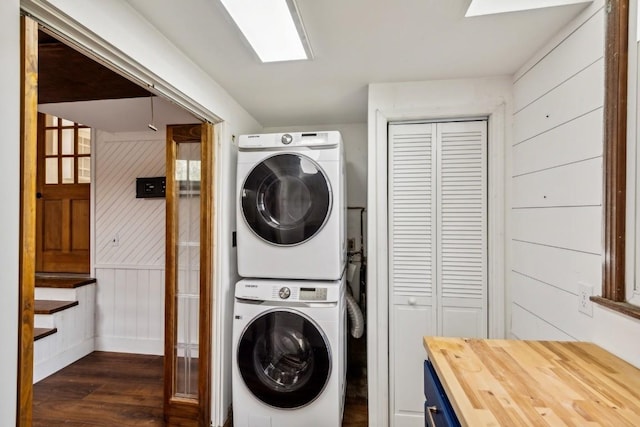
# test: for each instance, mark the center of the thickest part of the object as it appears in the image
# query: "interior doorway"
(69, 92)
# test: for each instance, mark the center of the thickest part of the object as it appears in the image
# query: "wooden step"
(64, 282)
(51, 306)
(39, 333)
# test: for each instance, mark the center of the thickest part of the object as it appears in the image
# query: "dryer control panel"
(323, 139)
(289, 291)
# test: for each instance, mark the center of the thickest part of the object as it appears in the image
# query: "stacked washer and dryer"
(289, 327)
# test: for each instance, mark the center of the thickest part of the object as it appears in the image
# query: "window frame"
(58, 128)
(614, 288)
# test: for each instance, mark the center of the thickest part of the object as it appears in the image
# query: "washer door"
(284, 359)
(286, 199)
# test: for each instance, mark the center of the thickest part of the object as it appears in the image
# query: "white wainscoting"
(130, 309)
(556, 182)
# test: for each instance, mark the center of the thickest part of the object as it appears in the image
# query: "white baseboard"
(130, 345)
(50, 366)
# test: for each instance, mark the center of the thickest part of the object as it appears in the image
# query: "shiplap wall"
(556, 200)
(130, 273)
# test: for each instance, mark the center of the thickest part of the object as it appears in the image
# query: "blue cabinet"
(438, 411)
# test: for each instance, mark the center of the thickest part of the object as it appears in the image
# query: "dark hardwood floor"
(116, 389)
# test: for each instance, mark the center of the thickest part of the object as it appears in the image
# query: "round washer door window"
(284, 359)
(286, 199)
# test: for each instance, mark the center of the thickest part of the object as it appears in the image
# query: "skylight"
(490, 7)
(273, 28)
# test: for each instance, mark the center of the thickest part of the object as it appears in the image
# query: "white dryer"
(289, 353)
(291, 206)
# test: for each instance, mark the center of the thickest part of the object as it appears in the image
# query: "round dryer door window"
(286, 199)
(284, 359)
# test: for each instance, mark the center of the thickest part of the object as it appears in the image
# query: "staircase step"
(51, 306)
(39, 333)
(64, 282)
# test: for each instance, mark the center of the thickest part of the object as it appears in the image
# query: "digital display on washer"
(313, 294)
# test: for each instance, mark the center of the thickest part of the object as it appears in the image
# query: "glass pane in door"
(188, 272)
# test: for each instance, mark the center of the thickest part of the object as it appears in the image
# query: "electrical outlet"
(351, 244)
(584, 303)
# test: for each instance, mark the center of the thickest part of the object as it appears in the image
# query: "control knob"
(284, 292)
(286, 139)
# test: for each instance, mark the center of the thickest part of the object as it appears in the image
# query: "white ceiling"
(121, 115)
(355, 42)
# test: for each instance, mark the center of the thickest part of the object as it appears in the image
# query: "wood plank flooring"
(116, 389)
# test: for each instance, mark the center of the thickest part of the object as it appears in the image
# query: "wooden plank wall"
(130, 295)
(556, 197)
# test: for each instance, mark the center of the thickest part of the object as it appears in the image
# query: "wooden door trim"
(28, 167)
(177, 410)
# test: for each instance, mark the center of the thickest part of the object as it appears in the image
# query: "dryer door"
(286, 199)
(284, 359)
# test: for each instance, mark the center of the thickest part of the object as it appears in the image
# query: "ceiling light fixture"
(490, 7)
(273, 28)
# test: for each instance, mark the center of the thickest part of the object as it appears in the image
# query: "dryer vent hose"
(356, 317)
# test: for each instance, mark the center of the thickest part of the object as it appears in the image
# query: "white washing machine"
(289, 353)
(291, 206)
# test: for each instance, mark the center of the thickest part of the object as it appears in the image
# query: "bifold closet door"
(437, 248)
(412, 264)
(461, 231)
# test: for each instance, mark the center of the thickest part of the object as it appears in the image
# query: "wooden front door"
(63, 194)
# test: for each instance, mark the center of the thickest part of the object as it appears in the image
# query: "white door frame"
(377, 224)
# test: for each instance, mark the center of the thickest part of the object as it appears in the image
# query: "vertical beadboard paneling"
(131, 310)
(556, 200)
(105, 302)
(120, 303)
(156, 305)
(142, 304)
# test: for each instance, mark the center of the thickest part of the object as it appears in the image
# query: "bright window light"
(269, 27)
(490, 7)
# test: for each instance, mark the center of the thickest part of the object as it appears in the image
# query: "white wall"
(556, 210)
(441, 99)
(130, 273)
(9, 214)
(557, 192)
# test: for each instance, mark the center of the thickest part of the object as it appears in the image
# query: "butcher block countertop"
(535, 383)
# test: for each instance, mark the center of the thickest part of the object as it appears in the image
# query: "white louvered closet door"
(461, 237)
(437, 248)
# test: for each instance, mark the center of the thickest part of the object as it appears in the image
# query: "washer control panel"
(290, 291)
